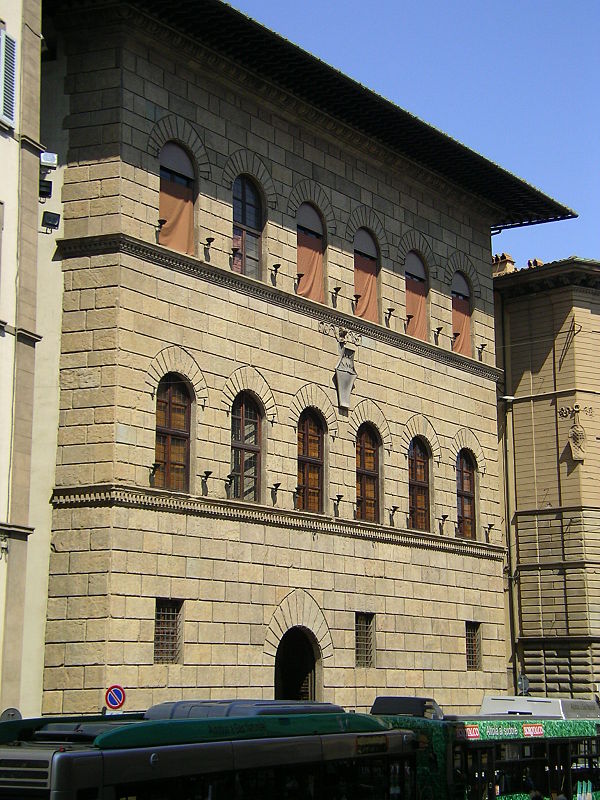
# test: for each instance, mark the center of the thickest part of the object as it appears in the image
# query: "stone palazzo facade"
(256, 481)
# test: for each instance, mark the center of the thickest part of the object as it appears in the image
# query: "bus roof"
(546, 707)
(129, 731)
(187, 709)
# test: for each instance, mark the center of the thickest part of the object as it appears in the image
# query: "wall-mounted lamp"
(334, 295)
(443, 519)
(388, 314)
(407, 321)
(297, 279)
(480, 349)
(488, 531)
(393, 510)
(206, 474)
(455, 336)
(152, 469)
(161, 222)
(274, 490)
(209, 240)
(275, 269)
(436, 333)
(50, 221)
(336, 504)
(228, 484)
(235, 251)
(4, 548)
(355, 301)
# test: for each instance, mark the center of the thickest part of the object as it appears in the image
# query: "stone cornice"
(153, 500)
(155, 254)
(15, 531)
(124, 16)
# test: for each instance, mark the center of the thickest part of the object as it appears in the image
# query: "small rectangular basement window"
(364, 629)
(473, 645)
(168, 625)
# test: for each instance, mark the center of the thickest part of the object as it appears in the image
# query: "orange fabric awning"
(461, 326)
(310, 266)
(176, 206)
(365, 285)
(416, 308)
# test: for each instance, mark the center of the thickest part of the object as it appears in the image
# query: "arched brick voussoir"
(414, 241)
(249, 379)
(172, 128)
(365, 217)
(309, 191)
(420, 426)
(313, 396)
(176, 359)
(297, 609)
(465, 439)
(459, 262)
(369, 411)
(245, 162)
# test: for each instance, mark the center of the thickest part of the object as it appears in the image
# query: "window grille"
(473, 645)
(168, 625)
(364, 627)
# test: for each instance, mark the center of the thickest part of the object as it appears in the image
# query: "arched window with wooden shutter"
(418, 486)
(366, 270)
(248, 224)
(465, 495)
(367, 474)
(172, 453)
(310, 253)
(246, 427)
(310, 463)
(176, 203)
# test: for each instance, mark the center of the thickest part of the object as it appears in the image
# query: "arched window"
(465, 494)
(247, 227)
(176, 200)
(418, 486)
(310, 463)
(366, 270)
(461, 315)
(172, 454)
(310, 253)
(245, 449)
(367, 474)
(416, 296)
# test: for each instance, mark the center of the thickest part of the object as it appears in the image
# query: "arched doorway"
(296, 666)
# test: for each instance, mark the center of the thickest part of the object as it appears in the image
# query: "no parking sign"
(115, 697)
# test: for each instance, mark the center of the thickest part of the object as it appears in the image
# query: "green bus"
(504, 755)
(202, 751)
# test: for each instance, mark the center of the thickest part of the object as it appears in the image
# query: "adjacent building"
(24, 548)
(277, 468)
(547, 344)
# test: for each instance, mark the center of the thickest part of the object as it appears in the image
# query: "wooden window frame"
(171, 379)
(418, 487)
(463, 494)
(363, 474)
(244, 228)
(243, 401)
(306, 461)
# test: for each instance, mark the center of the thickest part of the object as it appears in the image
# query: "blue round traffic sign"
(115, 696)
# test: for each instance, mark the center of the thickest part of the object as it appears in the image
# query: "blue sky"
(518, 81)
